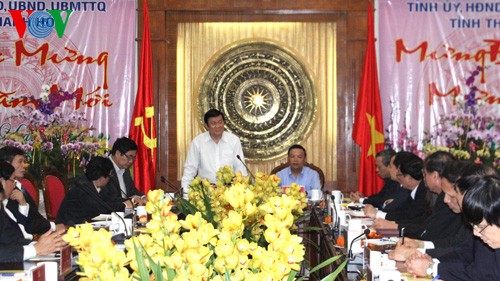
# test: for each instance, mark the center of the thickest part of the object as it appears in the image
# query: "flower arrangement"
(51, 133)
(195, 248)
(212, 202)
(471, 132)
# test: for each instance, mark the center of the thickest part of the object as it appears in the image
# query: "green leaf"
(143, 271)
(156, 269)
(171, 273)
(325, 263)
(292, 275)
(332, 276)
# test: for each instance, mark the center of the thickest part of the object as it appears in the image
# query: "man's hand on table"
(418, 263)
(384, 224)
(355, 196)
(50, 242)
(401, 252)
(370, 211)
(138, 200)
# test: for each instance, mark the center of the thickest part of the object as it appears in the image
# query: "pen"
(402, 236)
(436, 277)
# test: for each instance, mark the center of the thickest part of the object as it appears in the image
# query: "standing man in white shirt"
(212, 150)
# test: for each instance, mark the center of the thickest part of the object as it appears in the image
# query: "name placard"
(65, 263)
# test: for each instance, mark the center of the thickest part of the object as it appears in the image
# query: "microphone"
(366, 232)
(107, 207)
(177, 190)
(336, 224)
(252, 177)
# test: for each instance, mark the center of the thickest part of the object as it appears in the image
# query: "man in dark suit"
(416, 208)
(123, 156)
(392, 195)
(451, 245)
(91, 195)
(442, 222)
(476, 260)
(20, 203)
(13, 245)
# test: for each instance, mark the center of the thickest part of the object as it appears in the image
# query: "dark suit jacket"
(35, 223)
(449, 247)
(129, 184)
(414, 210)
(81, 204)
(11, 239)
(390, 190)
(442, 223)
(477, 261)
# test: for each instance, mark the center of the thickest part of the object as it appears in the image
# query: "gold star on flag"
(376, 136)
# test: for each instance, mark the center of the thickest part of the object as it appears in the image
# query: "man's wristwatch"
(432, 269)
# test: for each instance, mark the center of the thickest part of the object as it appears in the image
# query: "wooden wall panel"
(350, 16)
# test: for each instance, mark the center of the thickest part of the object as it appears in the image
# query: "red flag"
(143, 127)
(368, 126)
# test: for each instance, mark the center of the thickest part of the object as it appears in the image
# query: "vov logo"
(40, 24)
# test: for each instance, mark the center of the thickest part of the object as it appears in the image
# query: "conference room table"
(326, 237)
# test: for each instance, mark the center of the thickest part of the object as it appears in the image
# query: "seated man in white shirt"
(297, 173)
(14, 247)
(212, 150)
(122, 156)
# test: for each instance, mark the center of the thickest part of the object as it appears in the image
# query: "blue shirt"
(308, 178)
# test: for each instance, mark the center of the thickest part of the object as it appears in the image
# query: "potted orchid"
(252, 239)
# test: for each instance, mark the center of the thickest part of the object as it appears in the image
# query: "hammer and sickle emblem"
(139, 121)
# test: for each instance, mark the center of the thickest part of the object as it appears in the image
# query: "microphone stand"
(365, 232)
(252, 177)
(171, 185)
(107, 207)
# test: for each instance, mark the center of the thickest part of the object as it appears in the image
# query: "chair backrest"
(54, 191)
(31, 186)
(312, 166)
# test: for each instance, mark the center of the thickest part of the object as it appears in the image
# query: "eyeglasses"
(130, 157)
(479, 229)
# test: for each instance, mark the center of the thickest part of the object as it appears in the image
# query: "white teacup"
(338, 196)
(356, 225)
(316, 194)
(142, 215)
(343, 217)
(141, 211)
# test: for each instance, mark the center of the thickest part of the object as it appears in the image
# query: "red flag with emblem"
(143, 127)
(368, 126)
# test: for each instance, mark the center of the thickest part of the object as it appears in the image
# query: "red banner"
(143, 127)
(368, 128)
